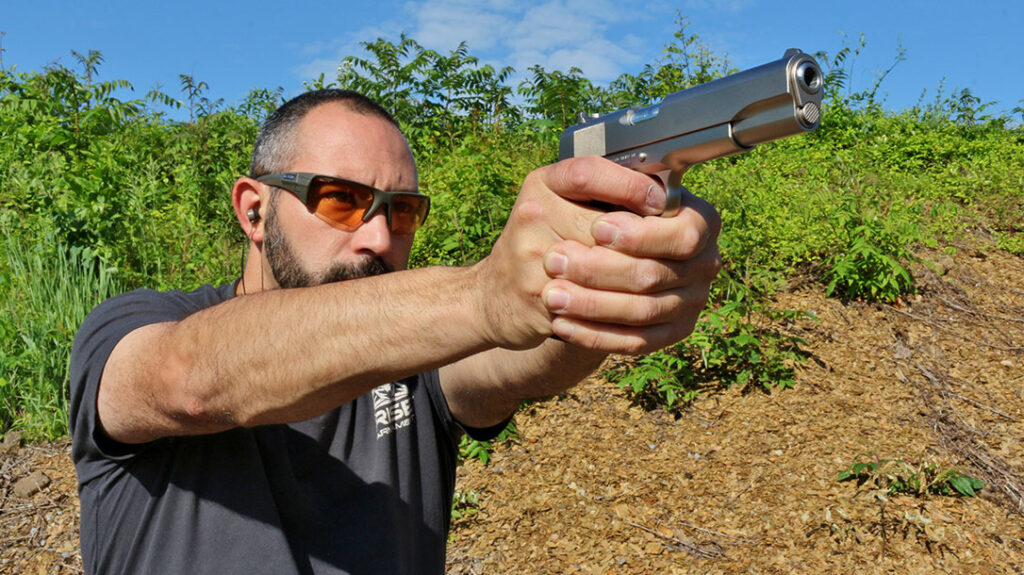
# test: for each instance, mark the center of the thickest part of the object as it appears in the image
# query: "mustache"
(371, 266)
(289, 273)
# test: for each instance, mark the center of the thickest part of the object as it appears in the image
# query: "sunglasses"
(346, 205)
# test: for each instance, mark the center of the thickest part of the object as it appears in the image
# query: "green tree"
(555, 99)
(389, 74)
(460, 97)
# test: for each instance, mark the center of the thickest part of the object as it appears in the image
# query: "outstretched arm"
(287, 355)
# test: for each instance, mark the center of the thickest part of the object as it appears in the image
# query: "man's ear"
(248, 204)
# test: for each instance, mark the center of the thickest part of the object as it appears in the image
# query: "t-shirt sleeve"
(104, 327)
(456, 429)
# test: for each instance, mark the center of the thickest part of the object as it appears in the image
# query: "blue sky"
(238, 46)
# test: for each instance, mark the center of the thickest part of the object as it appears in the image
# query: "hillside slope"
(746, 482)
(739, 482)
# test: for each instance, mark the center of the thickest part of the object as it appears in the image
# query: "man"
(296, 423)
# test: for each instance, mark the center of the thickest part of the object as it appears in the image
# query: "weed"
(896, 476)
(470, 448)
(465, 504)
(731, 345)
(869, 263)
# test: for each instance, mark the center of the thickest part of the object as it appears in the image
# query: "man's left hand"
(642, 286)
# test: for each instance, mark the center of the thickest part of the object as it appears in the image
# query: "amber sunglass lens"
(341, 204)
(407, 214)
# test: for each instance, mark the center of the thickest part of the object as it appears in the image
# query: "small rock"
(31, 484)
(11, 443)
(943, 263)
(1006, 363)
(902, 351)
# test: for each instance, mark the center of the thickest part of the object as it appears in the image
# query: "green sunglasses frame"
(299, 183)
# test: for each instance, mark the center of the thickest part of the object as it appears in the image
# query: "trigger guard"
(674, 192)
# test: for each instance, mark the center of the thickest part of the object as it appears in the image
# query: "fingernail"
(656, 198)
(556, 300)
(556, 264)
(563, 328)
(605, 233)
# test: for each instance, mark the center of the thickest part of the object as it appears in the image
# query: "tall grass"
(51, 288)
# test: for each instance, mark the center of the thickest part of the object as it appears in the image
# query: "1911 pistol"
(723, 117)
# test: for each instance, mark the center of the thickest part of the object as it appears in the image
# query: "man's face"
(286, 265)
(303, 250)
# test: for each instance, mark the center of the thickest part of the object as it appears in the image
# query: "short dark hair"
(275, 143)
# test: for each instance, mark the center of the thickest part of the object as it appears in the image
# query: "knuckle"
(688, 242)
(528, 210)
(578, 171)
(585, 275)
(587, 339)
(647, 276)
(707, 211)
(715, 221)
(685, 328)
(590, 307)
(708, 264)
(650, 310)
(636, 346)
(637, 190)
(715, 265)
(712, 218)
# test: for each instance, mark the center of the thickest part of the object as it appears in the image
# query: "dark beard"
(289, 274)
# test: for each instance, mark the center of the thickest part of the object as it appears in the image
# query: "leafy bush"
(733, 344)
(472, 189)
(871, 265)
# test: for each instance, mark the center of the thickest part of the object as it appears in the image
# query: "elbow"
(199, 414)
(200, 401)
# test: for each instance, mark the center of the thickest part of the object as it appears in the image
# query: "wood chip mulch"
(745, 482)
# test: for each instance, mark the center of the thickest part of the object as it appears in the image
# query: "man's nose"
(373, 236)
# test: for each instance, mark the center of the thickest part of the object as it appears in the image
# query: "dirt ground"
(738, 482)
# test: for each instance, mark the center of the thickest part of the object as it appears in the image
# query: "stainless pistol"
(723, 117)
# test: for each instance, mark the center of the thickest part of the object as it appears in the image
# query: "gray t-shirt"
(364, 488)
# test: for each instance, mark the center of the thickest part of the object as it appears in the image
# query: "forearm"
(484, 389)
(287, 355)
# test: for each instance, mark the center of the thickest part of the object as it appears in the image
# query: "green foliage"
(870, 265)
(105, 174)
(472, 189)
(733, 344)
(737, 344)
(98, 195)
(896, 476)
(438, 99)
(97, 177)
(470, 448)
(465, 504)
(556, 98)
(49, 288)
(390, 74)
(686, 61)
